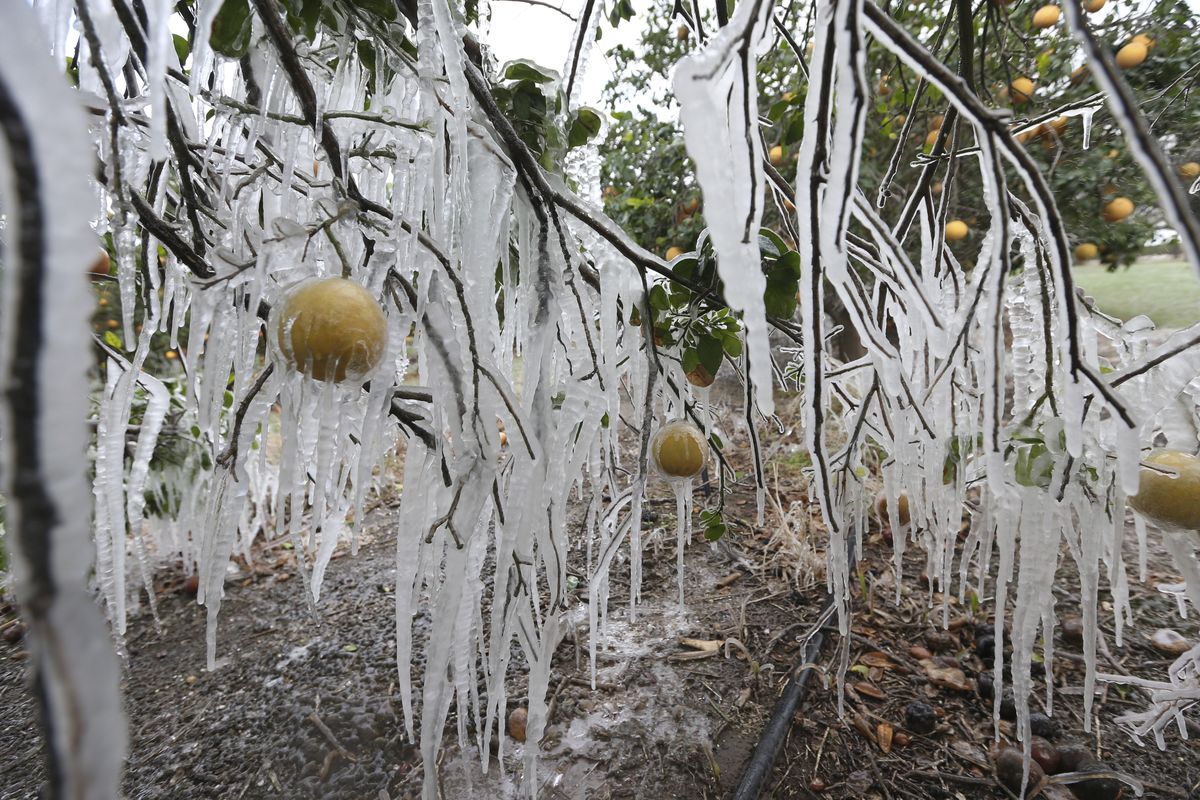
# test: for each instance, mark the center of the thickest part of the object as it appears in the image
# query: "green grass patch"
(1165, 291)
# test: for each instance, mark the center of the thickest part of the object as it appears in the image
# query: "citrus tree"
(378, 240)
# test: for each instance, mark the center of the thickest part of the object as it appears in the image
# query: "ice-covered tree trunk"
(45, 346)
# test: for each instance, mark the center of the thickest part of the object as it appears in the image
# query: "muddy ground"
(307, 708)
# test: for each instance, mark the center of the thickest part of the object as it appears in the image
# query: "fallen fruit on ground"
(1118, 209)
(1009, 764)
(1046, 17)
(920, 717)
(1169, 500)
(1021, 90)
(677, 449)
(1131, 55)
(518, 718)
(330, 329)
(956, 230)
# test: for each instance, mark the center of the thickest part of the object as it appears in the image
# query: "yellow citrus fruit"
(1118, 209)
(1144, 41)
(1170, 501)
(1131, 55)
(956, 229)
(1092, 6)
(1190, 170)
(677, 449)
(1046, 17)
(171, 355)
(681, 33)
(883, 90)
(881, 507)
(937, 187)
(100, 265)
(776, 155)
(1086, 252)
(931, 138)
(1058, 125)
(1022, 90)
(113, 324)
(937, 122)
(674, 252)
(331, 329)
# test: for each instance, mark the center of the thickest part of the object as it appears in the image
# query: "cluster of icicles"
(305, 454)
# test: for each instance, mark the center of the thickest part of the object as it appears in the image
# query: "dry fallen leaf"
(869, 690)
(875, 659)
(707, 645)
(947, 677)
(883, 733)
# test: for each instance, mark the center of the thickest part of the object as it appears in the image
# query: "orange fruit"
(956, 230)
(1172, 501)
(1022, 90)
(330, 329)
(1092, 6)
(674, 252)
(1118, 209)
(1190, 170)
(776, 155)
(677, 449)
(1046, 17)
(1086, 252)
(1131, 55)
(881, 507)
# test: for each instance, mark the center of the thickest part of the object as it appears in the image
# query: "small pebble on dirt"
(1045, 754)
(517, 720)
(1072, 630)
(985, 647)
(15, 632)
(1072, 756)
(941, 641)
(920, 718)
(1170, 642)
(1041, 725)
(1010, 768)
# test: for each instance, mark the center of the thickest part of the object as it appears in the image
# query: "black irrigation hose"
(762, 761)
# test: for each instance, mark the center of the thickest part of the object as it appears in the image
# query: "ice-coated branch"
(43, 364)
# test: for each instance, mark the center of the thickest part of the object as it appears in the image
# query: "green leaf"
(231, 29)
(691, 359)
(526, 70)
(733, 344)
(182, 48)
(380, 8)
(112, 340)
(585, 125)
(658, 298)
(711, 352)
